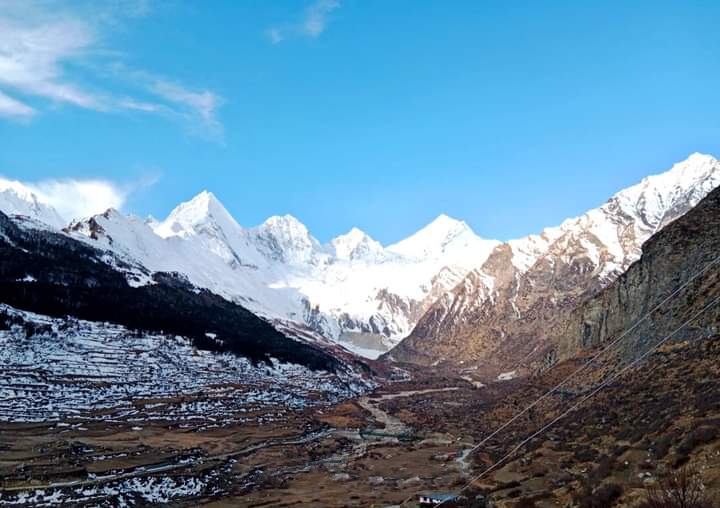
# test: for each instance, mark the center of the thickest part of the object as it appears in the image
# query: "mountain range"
(502, 312)
(442, 295)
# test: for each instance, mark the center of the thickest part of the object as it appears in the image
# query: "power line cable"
(585, 399)
(591, 360)
(594, 357)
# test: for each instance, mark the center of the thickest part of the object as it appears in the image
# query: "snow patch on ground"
(71, 369)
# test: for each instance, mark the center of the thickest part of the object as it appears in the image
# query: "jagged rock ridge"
(675, 279)
(502, 312)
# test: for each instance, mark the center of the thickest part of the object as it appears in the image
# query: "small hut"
(435, 498)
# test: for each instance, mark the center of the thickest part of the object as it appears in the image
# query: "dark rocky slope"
(515, 324)
(645, 426)
(52, 274)
(647, 422)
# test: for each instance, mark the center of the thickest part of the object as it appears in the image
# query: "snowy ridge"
(620, 226)
(446, 238)
(356, 245)
(351, 289)
(17, 199)
(587, 252)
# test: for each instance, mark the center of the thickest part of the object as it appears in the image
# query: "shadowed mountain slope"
(50, 273)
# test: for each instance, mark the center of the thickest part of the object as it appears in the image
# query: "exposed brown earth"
(500, 314)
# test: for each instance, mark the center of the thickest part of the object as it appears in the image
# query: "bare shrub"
(683, 489)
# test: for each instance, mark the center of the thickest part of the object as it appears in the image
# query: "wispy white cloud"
(80, 198)
(203, 104)
(13, 108)
(196, 108)
(32, 58)
(316, 17)
(313, 23)
(74, 198)
(43, 44)
(132, 104)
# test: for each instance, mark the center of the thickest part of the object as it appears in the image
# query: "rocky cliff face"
(686, 250)
(501, 314)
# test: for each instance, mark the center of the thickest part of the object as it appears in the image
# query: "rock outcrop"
(507, 311)
(677, 276)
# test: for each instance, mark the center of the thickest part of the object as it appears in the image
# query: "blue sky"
(370, 113)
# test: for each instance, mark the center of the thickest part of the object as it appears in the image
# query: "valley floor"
(381, 449)
(312, 457)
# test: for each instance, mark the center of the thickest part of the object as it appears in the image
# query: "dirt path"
(394, 425)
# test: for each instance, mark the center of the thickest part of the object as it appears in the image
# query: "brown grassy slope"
(658, 417)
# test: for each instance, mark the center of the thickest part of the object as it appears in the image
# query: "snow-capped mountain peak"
(588, 252)
(433, 238)
(444, 227)
(680, 178)
(357, 245)
(191, 217)
(18, 199)
(628, 218)
(285, 238)
(353, 289)
(654, 199)
(285, 225)
(446, 238)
